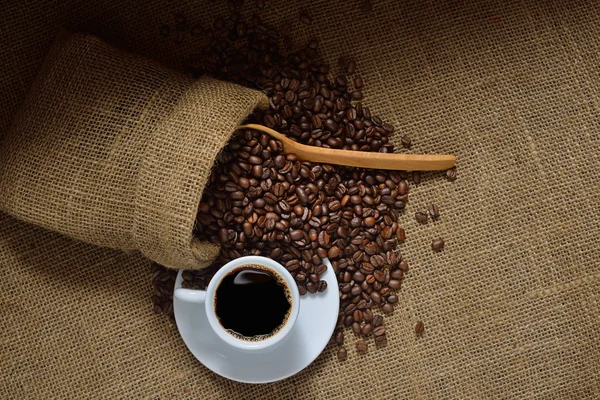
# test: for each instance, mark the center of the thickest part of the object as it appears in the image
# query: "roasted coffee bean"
(358, 82)
(378, 320)
(434, 211)
(437, 244)
(369, 222)
(406, 142)
(342, 354)
(416, 177)
(421, 216)
(366, 329)
(339, 337)
(394, 283)
(451, 174)
(396, 274)
(356, 328)
(419, 327)
(348, 320)
(305, 18)
(403, 266)
(334, 252)
(387, 308)
(361, 346)
(400, 234)
(376, 297)
(322, 286)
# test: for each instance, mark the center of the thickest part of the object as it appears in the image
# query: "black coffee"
(252, 303)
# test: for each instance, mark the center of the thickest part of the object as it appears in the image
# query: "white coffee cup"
(207, 297)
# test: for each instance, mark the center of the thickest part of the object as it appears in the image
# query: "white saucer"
(315, 324)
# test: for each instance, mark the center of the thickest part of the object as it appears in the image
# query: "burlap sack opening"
(113, 149)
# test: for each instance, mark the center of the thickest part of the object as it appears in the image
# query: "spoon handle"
(361, 159)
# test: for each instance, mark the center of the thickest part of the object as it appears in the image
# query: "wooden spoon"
(362, 159)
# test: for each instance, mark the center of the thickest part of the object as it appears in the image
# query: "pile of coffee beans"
(262, 201)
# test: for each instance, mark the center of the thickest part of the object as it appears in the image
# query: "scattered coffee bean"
(342, 354)
(358, 82)
(366, 329)
(351, 67)
(434, 211)
(361, 346)
(387, 308)
(339, 337)
(416, 177)
(406, 142)
(437, 244)
(419, 327)
(451, 174)
(421, 216)
(356, 328)
(305, 18)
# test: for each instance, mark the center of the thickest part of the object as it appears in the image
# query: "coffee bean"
(378, 320)
(416, 177)
(419, 327)
(358, 82)
(421, 216)
(400, 234)
(348, 320)
(305, 18)
(339, 337)
(437, 244)
(334, 252)
(406, 142)
(357, 315)
(342, 354)
(297, 234)
(351, 67)
(387, 308)
(361, 346)
(369, 222)
(366, 329)
(379, 331)
(376, 297)
(322, 286)
(394, 283)
(451, 174)
(434, 211)
(356, 328)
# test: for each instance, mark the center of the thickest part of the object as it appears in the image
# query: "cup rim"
(210, 297)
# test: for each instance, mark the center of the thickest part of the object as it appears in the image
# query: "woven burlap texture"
(511, 305)
(115, 150)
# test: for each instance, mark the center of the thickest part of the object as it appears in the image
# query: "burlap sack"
(113, 149)
(511, 305)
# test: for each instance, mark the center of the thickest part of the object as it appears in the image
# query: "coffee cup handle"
(190, 295)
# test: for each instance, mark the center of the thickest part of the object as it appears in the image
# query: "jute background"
(511, 305)
(115, 150)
